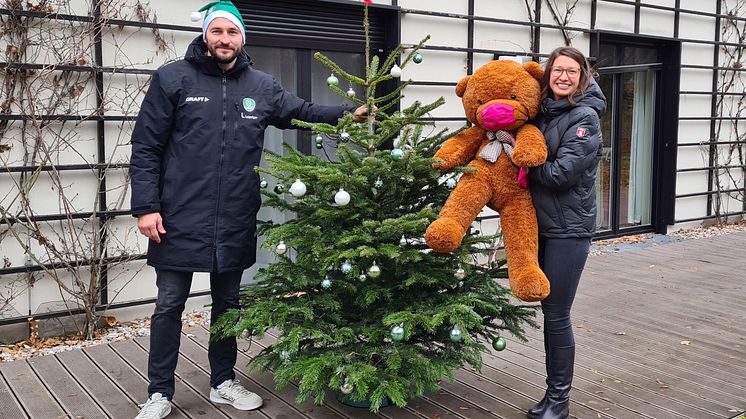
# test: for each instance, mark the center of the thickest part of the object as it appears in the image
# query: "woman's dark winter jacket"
(197, 139)
(563, 188)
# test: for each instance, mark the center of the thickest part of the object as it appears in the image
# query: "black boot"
(539, 408)
(559, 383)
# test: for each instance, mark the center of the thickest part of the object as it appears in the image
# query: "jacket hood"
(593, 98)
(197, 54)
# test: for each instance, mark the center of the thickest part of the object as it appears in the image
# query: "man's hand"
(151, 226)
(361, 113)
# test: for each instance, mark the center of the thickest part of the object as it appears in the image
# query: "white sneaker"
(232, 392)
(157, 407)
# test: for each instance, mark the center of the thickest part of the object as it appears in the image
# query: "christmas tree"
(359, 302)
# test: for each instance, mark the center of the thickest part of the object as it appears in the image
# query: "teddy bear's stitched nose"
(497, 116)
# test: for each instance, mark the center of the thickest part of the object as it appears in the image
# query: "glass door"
(625, 179)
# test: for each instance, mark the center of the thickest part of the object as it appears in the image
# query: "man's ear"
(534, 69)
(461, 86)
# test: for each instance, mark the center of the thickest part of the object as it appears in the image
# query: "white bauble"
(395, 71)
(298, 188)
(342, 198)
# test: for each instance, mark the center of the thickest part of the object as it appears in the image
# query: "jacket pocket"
(560, 213)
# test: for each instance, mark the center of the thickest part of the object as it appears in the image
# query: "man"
(195, 193)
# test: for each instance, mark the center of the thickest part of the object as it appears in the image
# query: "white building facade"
(673, 134)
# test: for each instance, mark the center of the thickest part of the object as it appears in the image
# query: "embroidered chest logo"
(197, 99)
(581, 132)
(249, 104)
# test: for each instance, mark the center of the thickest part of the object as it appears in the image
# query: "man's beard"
(217, 58)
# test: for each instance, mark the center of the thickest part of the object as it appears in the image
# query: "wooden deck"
(661, 333)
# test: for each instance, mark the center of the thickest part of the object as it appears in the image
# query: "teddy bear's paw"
(524, 157)
(530, 285)
(444, 235)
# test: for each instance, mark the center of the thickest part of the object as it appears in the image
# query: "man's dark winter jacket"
(563, 188)
(197, 139)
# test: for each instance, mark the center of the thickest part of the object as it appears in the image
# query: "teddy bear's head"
(502, 94)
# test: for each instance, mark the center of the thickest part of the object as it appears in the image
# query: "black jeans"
(165, 328)
(562, 260)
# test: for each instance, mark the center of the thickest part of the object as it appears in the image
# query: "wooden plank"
(642, 384)
(587, 398)
(274, 406)
(124, 376)
(666, 349)
(199, 380)
(65, 389)
(30, 391)
(109, 397)
(192, 403)
(8, 404)
(590, 382)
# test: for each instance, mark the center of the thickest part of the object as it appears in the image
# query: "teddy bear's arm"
(458, 149)
(530, 147)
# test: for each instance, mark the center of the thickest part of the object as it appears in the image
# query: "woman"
(563, 192)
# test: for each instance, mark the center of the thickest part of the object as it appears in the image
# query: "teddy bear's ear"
(534, 69)
(461, 86)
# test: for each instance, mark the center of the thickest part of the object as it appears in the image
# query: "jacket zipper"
(235, 121)
(220, 175)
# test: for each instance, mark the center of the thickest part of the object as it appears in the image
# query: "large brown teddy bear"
(498, 99)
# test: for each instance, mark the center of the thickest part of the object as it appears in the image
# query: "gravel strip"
(639, 241)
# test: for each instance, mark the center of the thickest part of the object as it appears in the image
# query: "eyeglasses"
(571, 72)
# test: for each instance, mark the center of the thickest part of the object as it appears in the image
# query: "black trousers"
(562, 260)
(165, 328)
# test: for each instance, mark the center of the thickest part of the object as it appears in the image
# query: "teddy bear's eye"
(513, 97)
(480, 101)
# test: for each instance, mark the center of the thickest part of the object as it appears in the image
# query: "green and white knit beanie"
(216, 9)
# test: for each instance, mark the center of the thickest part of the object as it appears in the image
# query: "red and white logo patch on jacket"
(581, 132)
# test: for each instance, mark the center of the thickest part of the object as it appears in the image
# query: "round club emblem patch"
(249, 104)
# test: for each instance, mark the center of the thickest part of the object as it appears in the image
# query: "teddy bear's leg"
(521, 238)
(462, 207)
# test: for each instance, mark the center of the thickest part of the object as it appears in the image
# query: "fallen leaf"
(111, 321)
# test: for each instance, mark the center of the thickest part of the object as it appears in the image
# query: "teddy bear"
(499, 98)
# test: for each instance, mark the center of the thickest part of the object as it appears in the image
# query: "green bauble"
(397, 333)
(397, 154)
(499, 344)
(326, 283)
(374, 271)
(346, 388)
(417, 58)
(332, 80)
